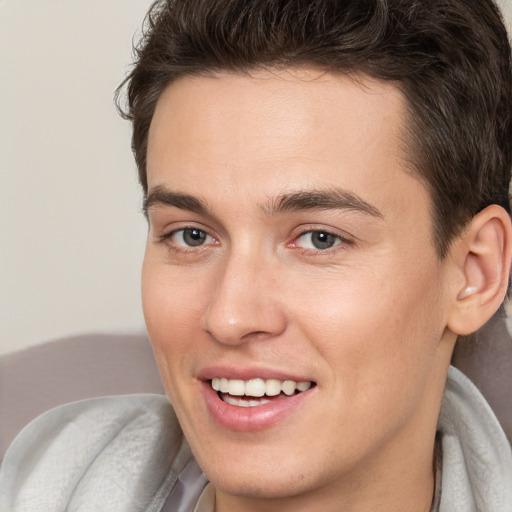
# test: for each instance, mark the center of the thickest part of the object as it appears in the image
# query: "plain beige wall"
(506, 6)
(71, 235)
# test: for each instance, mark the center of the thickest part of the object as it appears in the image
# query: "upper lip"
(248, 373)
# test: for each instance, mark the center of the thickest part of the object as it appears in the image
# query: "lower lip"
(247, 419)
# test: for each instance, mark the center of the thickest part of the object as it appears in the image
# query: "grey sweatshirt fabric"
(128, 454)
(477, 457)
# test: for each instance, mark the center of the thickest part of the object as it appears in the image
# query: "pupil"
(322, 240)
(194, 237)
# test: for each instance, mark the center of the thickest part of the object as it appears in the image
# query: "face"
(291, 288)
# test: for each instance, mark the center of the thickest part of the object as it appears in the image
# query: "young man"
(326, 189)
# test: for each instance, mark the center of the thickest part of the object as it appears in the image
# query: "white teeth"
(303, 386)
(236, 387)
(273, 387)
(288, 387)
(224, 385)
(257, 387)
(240, 402)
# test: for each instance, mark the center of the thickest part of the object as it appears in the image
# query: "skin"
(366, 319)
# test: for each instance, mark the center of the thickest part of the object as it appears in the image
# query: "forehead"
(273, 132)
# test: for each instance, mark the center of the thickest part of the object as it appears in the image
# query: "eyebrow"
(331, 199)
(162, 196)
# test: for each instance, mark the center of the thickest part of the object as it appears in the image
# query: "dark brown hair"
(450, 58)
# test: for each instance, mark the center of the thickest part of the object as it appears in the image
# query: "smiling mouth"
(256, 392)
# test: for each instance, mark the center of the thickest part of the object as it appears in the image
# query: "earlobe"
(484, 256)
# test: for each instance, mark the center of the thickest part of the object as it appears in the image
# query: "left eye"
(318, 240)
(190, 237)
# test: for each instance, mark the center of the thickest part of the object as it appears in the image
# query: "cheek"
(172, 307)
(172, 300)
(374, 333)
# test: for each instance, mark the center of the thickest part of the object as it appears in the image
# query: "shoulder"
(112, 450)
(477, 458)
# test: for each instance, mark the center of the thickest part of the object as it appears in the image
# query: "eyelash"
(340, 242)
(184, 249)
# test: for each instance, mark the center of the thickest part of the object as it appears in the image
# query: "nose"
(244, 304)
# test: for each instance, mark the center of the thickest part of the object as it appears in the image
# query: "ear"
(483, 255)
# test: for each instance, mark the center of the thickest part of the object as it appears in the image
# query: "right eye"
(189, 237)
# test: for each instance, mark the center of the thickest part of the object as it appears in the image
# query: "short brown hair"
(450, 58)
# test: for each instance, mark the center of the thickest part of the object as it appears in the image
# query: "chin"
(273, 483)
(258, 473)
